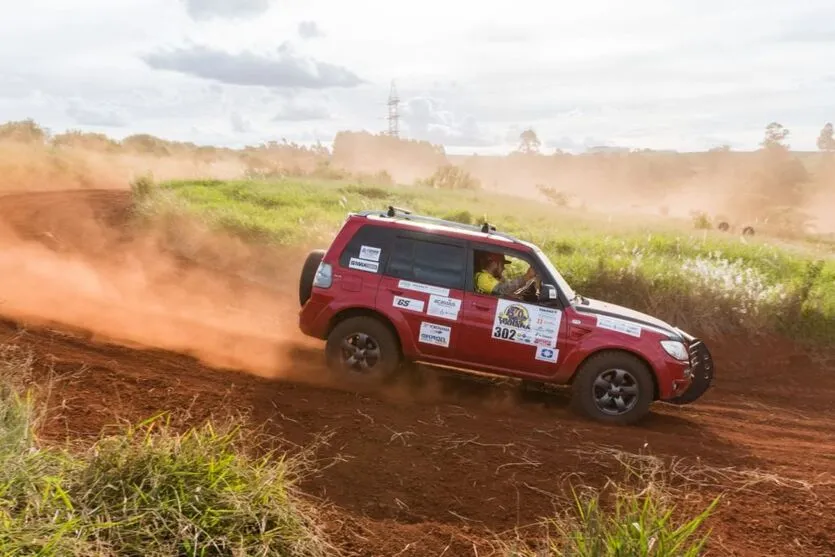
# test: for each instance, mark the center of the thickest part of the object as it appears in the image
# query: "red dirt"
(416, 473)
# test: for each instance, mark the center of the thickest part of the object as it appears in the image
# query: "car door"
(422, 288)
(505, 335)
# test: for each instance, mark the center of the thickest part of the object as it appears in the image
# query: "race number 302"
(504, 333)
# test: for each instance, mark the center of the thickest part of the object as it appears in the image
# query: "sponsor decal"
(370, 253)
(431, 333)
(446, 308)
(363, 265)
(526, 324)
(619, 325)
(425, 288)
(408, 303)
(516, 316)
(547, 354)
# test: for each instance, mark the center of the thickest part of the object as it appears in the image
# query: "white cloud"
(202, 10)
(95, 116)
(309, 30)
(282, 68)
(651, 73)
(428, 119)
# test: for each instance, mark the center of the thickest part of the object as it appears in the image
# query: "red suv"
(396, 288)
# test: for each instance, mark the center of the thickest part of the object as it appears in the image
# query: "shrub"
(194, 493)
(701, 221)
(451, 177)
(557, 197)
(371, 192)
(145, 491)
(142, 187)
(636, 516)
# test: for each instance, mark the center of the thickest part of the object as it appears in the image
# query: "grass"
(635, 515)
(706, 281)
(638, 524)
(147, 490)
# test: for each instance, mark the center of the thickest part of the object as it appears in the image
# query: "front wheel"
(613, 387)
(363, 350)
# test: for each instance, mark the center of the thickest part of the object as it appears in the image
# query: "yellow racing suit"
(486, 283)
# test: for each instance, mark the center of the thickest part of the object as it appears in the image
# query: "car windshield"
(562, 284)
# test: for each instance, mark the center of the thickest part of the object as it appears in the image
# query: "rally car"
(396, 288)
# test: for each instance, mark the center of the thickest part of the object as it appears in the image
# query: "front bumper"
(700, 371)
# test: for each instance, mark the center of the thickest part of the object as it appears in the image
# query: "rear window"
(368, 249)
(428, 262)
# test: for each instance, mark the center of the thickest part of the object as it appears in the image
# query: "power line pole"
(394, 112)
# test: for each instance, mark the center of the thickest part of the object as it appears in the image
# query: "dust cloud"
(34, 166)
(134, 292)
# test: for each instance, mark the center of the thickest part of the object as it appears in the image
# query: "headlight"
(324, 276)
(676, 349)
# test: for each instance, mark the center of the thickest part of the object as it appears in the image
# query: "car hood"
(598, 307)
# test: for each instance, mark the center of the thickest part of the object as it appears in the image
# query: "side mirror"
(547, 293)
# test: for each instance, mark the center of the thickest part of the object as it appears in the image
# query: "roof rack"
(405, 214)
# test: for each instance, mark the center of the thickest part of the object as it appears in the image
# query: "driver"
(489, 279)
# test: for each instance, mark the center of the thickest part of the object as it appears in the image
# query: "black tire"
(372, 342)
(617, 372)
(748, 231)
(724, 226)
(308, 274)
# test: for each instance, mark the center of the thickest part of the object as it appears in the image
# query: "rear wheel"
(362, 349)
(613, 387)
(311, 264)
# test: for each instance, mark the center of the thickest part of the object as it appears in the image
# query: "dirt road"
(416, 473)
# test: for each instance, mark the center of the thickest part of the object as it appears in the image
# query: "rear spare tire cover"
(311, 264)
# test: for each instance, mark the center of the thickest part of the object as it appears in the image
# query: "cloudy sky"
(663, 74)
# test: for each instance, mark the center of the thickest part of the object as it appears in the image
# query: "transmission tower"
(394, 112)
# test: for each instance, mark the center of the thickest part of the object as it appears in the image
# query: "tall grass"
(147, 490)
(637, 524)
(635, 516)
(709, 282)
(640, 525)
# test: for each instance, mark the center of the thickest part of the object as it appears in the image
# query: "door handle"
(396, 292)
(483, 307)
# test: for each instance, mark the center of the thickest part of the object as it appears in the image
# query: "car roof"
(403, 218)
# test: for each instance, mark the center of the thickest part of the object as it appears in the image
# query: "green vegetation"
(640, 523)
(710, 282)
(145, 491)
(641, 514)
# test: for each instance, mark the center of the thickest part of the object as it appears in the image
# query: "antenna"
(394, 112)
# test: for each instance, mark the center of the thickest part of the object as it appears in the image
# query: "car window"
(368, 248)
(428, 262)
